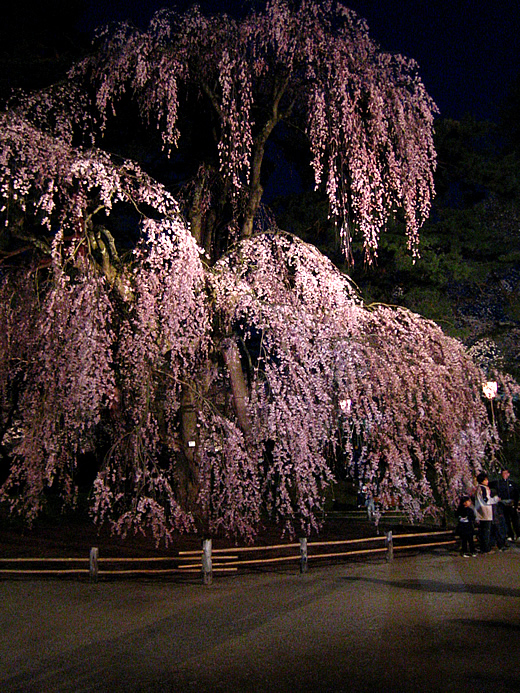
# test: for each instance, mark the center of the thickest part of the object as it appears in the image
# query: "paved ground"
(427, 623)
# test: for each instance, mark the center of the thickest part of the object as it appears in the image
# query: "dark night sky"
(468, 52)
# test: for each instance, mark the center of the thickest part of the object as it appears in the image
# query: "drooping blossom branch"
(415, 407)
(68, 384)
(162, 342)
(367, 116)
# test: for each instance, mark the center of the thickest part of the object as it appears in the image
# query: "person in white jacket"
(484, 503)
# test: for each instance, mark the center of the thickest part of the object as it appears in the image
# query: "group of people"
(494, 509)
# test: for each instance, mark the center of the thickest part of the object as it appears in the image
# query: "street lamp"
(490, 389)
(345, 405)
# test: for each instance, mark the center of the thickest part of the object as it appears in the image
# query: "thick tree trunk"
(239, 388)
(187, 465)
(105, 255)
(255, 187)
(255, 194)
(196, 212)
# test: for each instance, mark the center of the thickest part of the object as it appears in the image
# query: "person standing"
(370, 506)
(509, 496)
(466, 527)
(484, 502)
(499, 528)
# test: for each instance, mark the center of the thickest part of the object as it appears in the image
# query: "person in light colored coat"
(484, 503)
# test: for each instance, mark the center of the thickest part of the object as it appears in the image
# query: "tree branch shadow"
(441, 587)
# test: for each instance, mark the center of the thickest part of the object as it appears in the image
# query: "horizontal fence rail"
(212, 561)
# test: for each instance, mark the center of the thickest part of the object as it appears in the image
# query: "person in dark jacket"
(466, 527)
(509, 496)
(499, 528)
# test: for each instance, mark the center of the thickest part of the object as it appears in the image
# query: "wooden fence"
(212, 561)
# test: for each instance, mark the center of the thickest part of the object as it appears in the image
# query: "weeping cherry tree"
(216, 374)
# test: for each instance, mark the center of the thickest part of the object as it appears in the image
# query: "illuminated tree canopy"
(214, 385)
(313, 66)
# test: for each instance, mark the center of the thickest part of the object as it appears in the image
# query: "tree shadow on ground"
(441, 587)
(492, 625)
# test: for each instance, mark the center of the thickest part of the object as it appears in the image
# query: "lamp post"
(490, 389)
(345, 405)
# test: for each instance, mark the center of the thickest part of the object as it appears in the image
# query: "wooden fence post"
(93, 571)
(304, 566)
(389, 542)
(207, 571)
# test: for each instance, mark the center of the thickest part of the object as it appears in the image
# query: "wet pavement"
(434, 622)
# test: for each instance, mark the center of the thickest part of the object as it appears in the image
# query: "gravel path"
(433, 622)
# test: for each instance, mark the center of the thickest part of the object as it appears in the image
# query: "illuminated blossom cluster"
(18, 315)
(162, 340)
(381, 389)
(106, 339)
(61, 110)
(420, 417)
(68, 385)
(57, 185)
(326, 382)
(30, 160)
(230, 498)
(368, 118)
